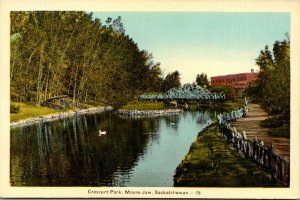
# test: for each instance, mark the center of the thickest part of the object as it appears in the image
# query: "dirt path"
(251, 124)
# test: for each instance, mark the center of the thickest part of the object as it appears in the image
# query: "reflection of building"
(238, 81)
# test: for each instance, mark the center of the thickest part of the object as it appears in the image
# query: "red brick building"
(238, 81)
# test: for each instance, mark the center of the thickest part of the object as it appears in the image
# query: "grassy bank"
(219, 106)
(211, 162)
(144, 105)
(227, 106)
(28, 111)
(149, 105)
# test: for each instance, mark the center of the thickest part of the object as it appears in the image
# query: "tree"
(172, 80)
(69, 53)
(272, 89)
(153, 79)
(228, 90)
(202, 80)
(265, 62)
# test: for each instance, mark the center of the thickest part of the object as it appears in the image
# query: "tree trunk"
(47, 81)
(63, 53)
(75, 85)
(69, 86)
(26, 76)
(38, 88)
(85, 96)
(12, 66)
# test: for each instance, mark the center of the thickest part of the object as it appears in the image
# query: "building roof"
(247, 73)
(239, 81)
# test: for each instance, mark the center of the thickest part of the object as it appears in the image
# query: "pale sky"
(216, 43)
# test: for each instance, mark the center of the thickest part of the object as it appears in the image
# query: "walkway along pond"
(134, 152)
(210, 163)
(251, 125)
(259, 152)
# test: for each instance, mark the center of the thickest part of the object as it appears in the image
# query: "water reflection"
(134, 152)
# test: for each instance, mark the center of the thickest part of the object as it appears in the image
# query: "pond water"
(134, 152)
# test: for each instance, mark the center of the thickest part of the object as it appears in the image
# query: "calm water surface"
(134, 152)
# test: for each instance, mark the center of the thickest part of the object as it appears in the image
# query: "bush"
(14, 108)
(283, 131)
(14, 96)
(274, 122)
(228, 90)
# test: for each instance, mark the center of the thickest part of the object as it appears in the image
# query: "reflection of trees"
(151, 126)
(203, 116)
(70, 152)
(172, 120)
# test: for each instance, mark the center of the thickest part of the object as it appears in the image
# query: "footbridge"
(186, 93)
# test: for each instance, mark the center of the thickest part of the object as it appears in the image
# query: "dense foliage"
(172, 80)
(70, 53)
(202, 80)
(272, 89)
(14, 108)
(228, 90)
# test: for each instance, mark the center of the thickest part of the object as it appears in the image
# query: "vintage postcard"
(151, 99)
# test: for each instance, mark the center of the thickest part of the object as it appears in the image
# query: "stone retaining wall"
(130, 113)
(61, 115)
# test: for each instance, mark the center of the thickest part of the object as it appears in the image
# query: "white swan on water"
(172, 124)
(102, 132)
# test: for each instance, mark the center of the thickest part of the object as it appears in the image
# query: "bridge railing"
(260, 153)
(186, 92)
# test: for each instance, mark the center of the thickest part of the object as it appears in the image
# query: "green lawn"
(149, 105)
(30, 111)
(144, 105)
(211, 162)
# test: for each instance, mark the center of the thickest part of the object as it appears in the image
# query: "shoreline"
(147, 113)
(211, 162)
(61, 115)
(121, 112)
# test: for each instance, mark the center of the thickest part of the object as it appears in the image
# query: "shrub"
(14, 108)
(283, 131)
(274, 122)
(228, 90)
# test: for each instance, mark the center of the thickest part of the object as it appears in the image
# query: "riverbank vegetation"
(278, 126)
(144, 105)
(272, 89)
(210, 162)
(220, 106)
(282, 131)
(28, 111)
(228, 90)
(91, 60)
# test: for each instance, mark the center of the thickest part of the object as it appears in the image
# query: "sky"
(215, 43)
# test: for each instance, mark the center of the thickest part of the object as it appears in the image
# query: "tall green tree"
(70, 53)
(272, 89)
(202, 80)
(153, 79)
(172, 80)
(228, 90)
